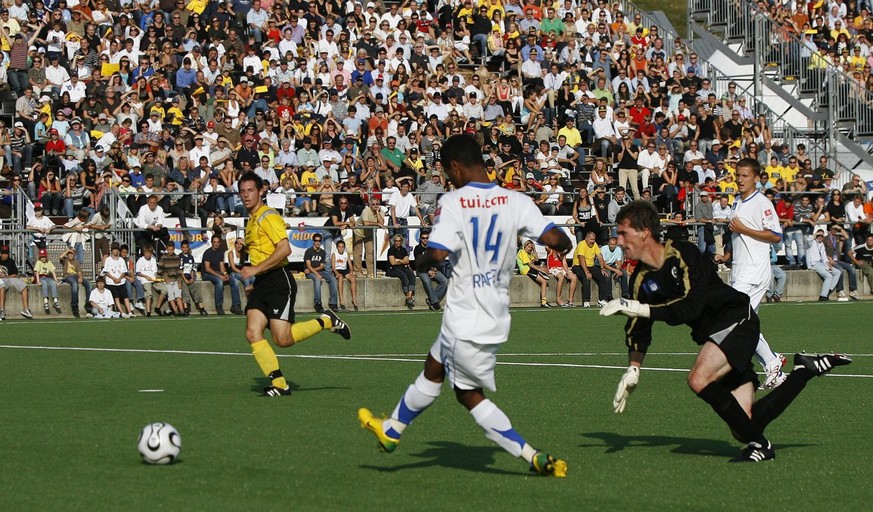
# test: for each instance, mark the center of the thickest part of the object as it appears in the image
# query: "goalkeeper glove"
(626, 386)
(627, 307)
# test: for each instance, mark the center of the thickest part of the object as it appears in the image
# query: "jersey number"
(492, 238)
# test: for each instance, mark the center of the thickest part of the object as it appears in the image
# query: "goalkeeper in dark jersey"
(675, 284)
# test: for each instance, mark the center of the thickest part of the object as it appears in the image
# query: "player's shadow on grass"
(683, 445)
(452, 455)
(261, 383)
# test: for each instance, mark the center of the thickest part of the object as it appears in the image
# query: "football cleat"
(774, 376)
(386, 443)
(545, 464)
(337, 325)
(820, 364)
(756, 452)
(274, 391)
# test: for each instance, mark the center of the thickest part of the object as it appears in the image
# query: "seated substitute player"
(271, 303)
(476, 229)
(676, 284)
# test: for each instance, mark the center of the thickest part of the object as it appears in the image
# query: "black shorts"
(343, 272)
(274, 295)
(118, 292)
(738, 346)
(533, 274)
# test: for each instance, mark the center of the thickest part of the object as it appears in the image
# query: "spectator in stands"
(41, 226)
(214, 270)
(791, 233)
(862, 256)
(619, 200)
(837, 244)
(191, 295)
(115, 270)
(398, 261)
(45, 276)
(168, 283)
(403, 205)
(557, 266)
(858, 219)
(628, 164)
(71, 273)
(343, 269)
(527, 261)
(150, 219)
(147, 275)
(101, 302)
(315, 269)
(434, 281)
(615, 264)
(585, 215)
(777, 285)
(9, 279)
(649, 163)
(818, 261)
(605, 137)
(588, 265)
(134, 288)
(705, 216)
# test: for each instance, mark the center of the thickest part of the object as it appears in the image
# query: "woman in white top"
(552, 195)
(343, 267)
(599, 176)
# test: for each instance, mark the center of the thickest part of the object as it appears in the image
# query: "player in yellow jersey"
(271, 303)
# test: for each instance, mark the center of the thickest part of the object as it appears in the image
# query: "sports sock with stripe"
(499, 429)
(418, 397)
(268, 362)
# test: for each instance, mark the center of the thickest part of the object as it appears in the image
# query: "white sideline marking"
(389, 358)
(151, 390)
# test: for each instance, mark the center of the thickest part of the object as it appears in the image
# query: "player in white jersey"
(476, 227)
(754, 226)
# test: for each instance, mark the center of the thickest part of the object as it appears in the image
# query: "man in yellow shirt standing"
(588, 266)
(271, 303)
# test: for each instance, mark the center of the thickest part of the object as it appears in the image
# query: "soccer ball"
(159, 443)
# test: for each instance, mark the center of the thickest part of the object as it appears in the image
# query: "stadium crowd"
(342, 107)
(835, 32)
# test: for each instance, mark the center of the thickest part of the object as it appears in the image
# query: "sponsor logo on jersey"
(483, 202)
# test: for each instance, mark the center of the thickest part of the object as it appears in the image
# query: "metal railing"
(789, 58)
(782, 130)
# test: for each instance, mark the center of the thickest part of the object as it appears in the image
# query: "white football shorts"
(753, 281)
(468, 365)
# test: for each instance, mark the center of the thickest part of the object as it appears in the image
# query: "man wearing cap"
(604, 133)
(9, 279)
(361, 73)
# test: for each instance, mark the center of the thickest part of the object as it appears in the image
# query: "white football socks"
(417, 398)
(499, 429)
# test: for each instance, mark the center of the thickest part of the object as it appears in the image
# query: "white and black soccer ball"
(159, 443)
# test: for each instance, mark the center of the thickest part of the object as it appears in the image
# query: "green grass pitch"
(71, 419)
